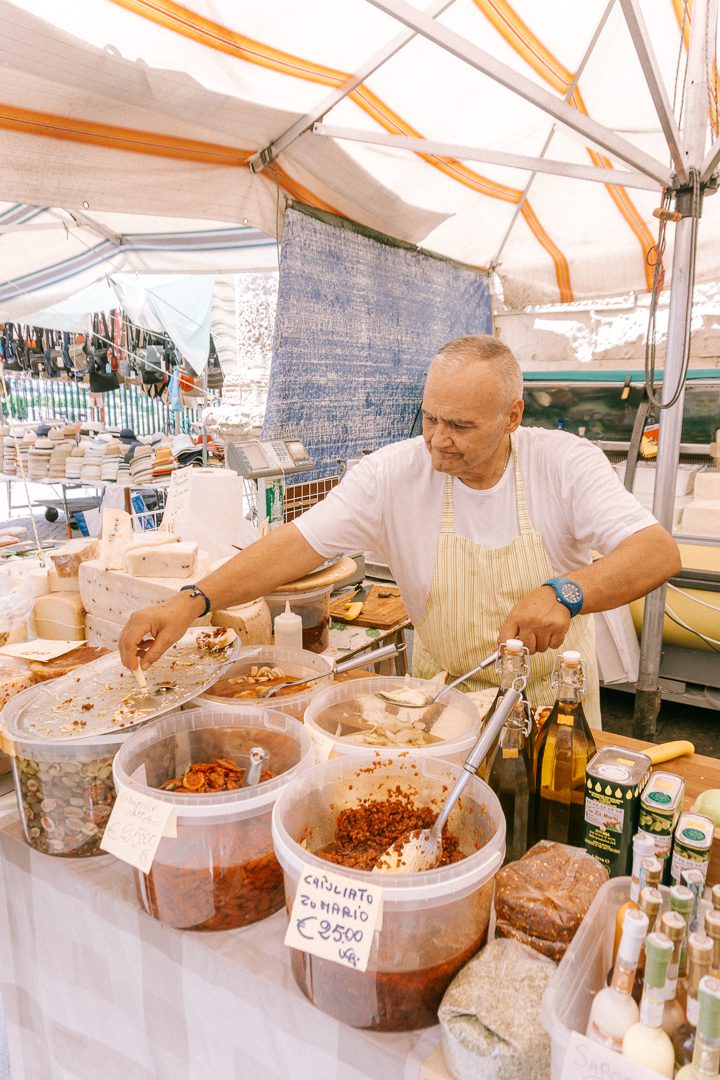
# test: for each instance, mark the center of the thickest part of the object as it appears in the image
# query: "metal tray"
(103, 696)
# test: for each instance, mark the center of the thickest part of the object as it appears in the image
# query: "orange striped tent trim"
(527, 45)
(181, 20)
(130, 140)
(683, 14)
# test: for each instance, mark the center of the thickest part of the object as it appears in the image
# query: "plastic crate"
(583, 970)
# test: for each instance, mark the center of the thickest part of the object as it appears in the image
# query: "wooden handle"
(668, 750)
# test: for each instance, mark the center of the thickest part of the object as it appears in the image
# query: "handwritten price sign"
(135, 827)
(335, 918)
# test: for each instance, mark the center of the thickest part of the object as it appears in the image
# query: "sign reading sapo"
(587, 1060)
(334, 917)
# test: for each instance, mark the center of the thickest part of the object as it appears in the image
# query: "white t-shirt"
(390, 503)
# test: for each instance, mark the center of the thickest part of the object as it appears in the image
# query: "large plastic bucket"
(220, 871)
(328, 745)
(432, 922)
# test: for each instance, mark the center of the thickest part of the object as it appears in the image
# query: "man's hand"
(538, 620)
(150, 631)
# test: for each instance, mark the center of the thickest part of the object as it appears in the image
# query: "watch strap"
(568, 593)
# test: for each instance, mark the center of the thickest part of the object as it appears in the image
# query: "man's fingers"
(509, 629)
(157, 647)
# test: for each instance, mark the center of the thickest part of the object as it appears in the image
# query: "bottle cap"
(651, 902)
(658, 951)
(681, 900)
(709, 1018)
(699, 949)
(643, 845)
(652, 868)
(673, 925)
(634, 930)
(514, 645)
(571, 657)
(712, 925)
(715, 897)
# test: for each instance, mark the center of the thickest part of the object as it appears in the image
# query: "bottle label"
(510, 751)
(692, 1007)
(651, 1012)
(604, 816)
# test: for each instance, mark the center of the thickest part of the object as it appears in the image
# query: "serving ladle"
(409, 698)
(336, 669)
(423, 847)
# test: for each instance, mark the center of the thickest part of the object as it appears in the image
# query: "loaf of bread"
(542, 898)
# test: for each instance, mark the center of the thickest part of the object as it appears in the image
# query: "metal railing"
(127, 407)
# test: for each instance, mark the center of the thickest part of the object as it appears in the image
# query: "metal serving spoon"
(423, 847)
(345, 665)
(398, 697)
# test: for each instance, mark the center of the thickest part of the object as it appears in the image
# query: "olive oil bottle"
(564, 747)
(511, 778)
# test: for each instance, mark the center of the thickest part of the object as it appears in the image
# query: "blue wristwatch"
(568, 593)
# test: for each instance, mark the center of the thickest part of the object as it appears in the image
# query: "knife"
(354, 603)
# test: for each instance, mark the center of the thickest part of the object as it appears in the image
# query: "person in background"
(489, 529)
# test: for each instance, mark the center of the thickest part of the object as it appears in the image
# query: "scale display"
(260, 458)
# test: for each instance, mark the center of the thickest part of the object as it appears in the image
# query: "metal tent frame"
(692, 174)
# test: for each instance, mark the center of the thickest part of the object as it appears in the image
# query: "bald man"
(488, 528)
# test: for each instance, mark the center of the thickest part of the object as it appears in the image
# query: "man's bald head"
(488, 351)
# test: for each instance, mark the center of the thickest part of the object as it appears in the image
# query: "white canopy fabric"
(178, 306)
(151, 107)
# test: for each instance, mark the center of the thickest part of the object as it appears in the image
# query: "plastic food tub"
(64, 791)
(296, 663)
(328, 745)
(432, 923)
(313, 607)
(220, 871)
(583, 970)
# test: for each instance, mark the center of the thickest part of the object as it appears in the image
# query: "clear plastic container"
(220, 871)
(64, 791)
(583, 970)
(296, 663)
(432, 923)
(328, 745)
(313, 607)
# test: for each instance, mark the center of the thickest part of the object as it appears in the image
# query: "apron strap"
(525, 525)
(447, 522)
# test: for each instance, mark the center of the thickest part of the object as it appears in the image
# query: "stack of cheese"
(59, 614)
(133, 570)
(141, 466)
(702, 514)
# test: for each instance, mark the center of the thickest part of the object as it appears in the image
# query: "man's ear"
(515, 415)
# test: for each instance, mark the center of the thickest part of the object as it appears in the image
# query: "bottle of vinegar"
(511, 778)
(564, 747)
(699, 962)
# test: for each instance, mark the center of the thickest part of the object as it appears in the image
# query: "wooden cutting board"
(379, 611)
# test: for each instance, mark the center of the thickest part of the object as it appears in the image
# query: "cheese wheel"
(251, 622)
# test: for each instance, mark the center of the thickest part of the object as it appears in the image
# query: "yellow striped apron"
(472, 592)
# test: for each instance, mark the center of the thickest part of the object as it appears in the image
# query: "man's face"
(462, 426)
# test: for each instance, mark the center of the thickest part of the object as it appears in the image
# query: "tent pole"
(648, 696)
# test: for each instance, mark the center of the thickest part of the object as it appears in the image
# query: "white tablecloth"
(94, 989)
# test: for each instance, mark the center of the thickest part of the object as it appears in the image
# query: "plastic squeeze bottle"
(287, 629)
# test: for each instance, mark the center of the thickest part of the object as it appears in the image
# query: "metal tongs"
(403, 697)
(423, 847)
(345, 665)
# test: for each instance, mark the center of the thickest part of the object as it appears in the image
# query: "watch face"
(571, 592)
